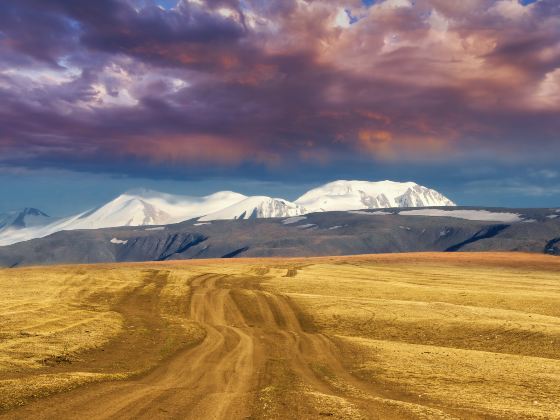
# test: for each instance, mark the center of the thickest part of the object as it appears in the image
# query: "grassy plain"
(382, 336)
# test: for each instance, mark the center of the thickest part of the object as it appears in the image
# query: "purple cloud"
(266, 83)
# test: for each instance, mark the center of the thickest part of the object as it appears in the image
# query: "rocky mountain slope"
(316, 234)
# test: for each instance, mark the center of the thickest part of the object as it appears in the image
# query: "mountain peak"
(31, 211)
(344, 195)
(141, 193)
(26, 217)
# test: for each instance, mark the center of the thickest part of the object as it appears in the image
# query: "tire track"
(252, 351)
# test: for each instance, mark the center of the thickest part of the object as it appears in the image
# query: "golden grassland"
(461, 331)
(113, 321)
(382, 336)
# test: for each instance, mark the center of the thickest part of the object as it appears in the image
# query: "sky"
(277, 97)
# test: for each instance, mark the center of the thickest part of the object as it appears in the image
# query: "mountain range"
(145, 207)
(329, 233)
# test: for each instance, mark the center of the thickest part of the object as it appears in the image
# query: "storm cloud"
(119, 85)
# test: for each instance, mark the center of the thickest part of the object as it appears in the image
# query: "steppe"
(420, 336)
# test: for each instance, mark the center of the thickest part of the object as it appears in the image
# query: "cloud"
(511, 187)
(547, 174)
(228, 83)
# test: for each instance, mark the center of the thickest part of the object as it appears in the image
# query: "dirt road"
(257, 361)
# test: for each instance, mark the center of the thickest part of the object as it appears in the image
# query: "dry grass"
(466, 334)
(57, 312)
(58, 321)
(434, 335)
(465, 381)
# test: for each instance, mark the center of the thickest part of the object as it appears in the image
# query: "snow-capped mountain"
(257, 207)
(21, 219)
(353, 195)
(133, 208)
(146, 207)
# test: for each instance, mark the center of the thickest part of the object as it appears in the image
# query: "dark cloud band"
(266, 83)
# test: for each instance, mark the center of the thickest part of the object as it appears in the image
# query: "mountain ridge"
(141, 206)
(257, 207)
(435, 229)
